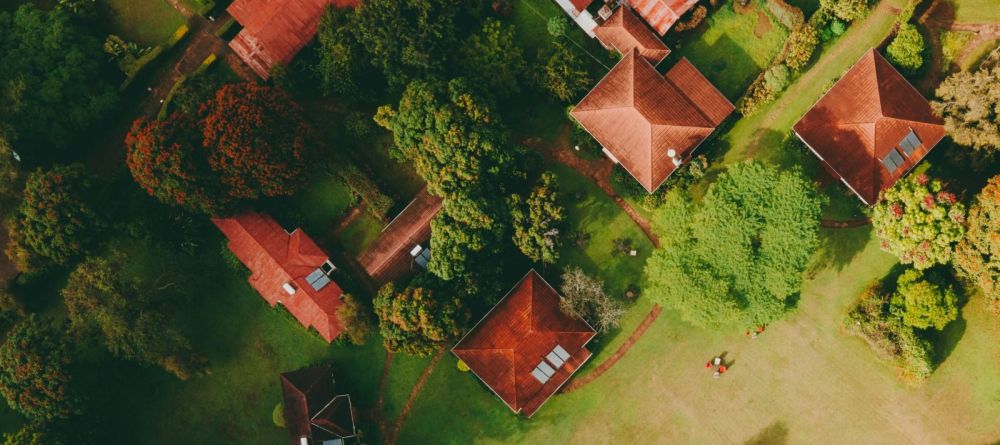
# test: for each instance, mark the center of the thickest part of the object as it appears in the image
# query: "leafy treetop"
(919, 222)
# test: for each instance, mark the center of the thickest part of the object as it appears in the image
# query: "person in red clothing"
(708, 364)
(722, 369)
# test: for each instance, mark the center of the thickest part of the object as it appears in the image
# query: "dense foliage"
(741, 253)
(52, 86)
(872, 319)
(343, 66)
(977, 256)
(906, 51)
(167, 160)
(128, 316)
(356, 319)
(969, 102)
(584, 296)
(492, 61)
(56, 221)
(11, 180)
(800, 46)
(416, 320)
(848, 10)
(923, 300)
(33, 371)
(465, 235)
(918, 221)
(776, 78)
(537, 220)
(565, 74)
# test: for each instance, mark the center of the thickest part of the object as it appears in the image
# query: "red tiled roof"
(388, 258)
(581, 5)
(661, 14)
(275, 30)
(516, 335)
(862, 119)
(312, 409)
(276, 257)
(639, 115)
(624, 31)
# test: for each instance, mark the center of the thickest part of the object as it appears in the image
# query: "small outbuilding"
(286, 268)
(314, 413)
(871, 128)
(526, 348)
(403, 247)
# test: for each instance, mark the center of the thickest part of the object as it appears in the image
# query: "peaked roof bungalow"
(287, 268)
(314, 413)
(623, 31)
(526, 348)
(651, 123)
(661, 14)
(403, 246)
(871, 128)
(274, 31)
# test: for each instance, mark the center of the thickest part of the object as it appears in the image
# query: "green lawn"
(728, 52)
(319, 206)
(359, 234)
(976, 11)
(145, 22)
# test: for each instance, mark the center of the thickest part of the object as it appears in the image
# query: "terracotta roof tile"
(623, 31)
(276, 257)
(661, 14)
(388, 258)
(862, 119)
(639, 115)
(275, 30)
(516, 335)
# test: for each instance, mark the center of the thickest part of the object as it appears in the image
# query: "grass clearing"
(145, 22)
(976, 11)
(978, 54)
(727, 51)
(952, 43)
(358, 235)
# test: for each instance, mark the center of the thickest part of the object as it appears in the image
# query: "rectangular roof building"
(286, 268)
(650, 123)
(314, 413)
(871, 128)
(526, 348)
(403, 245)
(274, 31)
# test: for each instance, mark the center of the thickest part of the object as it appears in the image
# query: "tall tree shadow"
(775, 434)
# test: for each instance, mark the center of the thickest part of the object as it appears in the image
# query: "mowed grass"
(358, 235)
(727, 51)
(145, 22)
(976, 11)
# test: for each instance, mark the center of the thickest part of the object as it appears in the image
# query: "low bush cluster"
(906, 51)
(379, 204)
(697, 17)
(790, 16)
(872, 319)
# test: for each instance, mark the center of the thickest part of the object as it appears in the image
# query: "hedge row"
(133, 69)
(378, 204)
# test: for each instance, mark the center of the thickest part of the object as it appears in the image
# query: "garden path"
(377, 411)
(579, 382)
(937, 20)
(417, 388)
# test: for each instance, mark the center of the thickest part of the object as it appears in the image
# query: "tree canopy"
(56, 221)
(537, 220)
(33, 371)
(969, 102)
(584, 296)
(129, 317)
(417, 320)
(344, 68)
(492, 61)
(924, 301)
(977, 255)
(741, 253)
(565, 74)
(906, 51)
(919, 222)
(52, 86)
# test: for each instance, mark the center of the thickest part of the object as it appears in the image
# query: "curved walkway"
(580, 382)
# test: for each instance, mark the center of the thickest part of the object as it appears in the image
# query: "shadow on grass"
(947, 339)
(774, 434)
(838, 247)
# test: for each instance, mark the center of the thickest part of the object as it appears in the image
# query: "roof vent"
(672, 153)
(289, 287)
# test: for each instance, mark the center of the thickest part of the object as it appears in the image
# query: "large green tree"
(343, 68)
(537, 220)
(52, 84)
(977, 256)
(741, 253)
(129, 317)
(417, 320)
(565, 74)
(924, 300)
(918, 221)
(969, 102)
(57, 220)
(492, 61)
(33, 371)
(465, 237)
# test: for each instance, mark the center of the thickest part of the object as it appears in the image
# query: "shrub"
(697, 17)
(919, 222)
(776, 78)
(756, 97)
(837, 28)
(537, 220)
(557, 26)
(278, 415)
(378, 204)
(462, 366)
(848, 10)
(356, 319)
(800, 46)
(906, 51)
(924, 301)
(872, 320)
(788, 15)
(35, 371)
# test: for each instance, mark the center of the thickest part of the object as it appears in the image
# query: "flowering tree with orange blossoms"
(257, 141)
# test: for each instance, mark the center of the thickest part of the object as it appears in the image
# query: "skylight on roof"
(909, 143)
(318, 279)
(892, 161)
